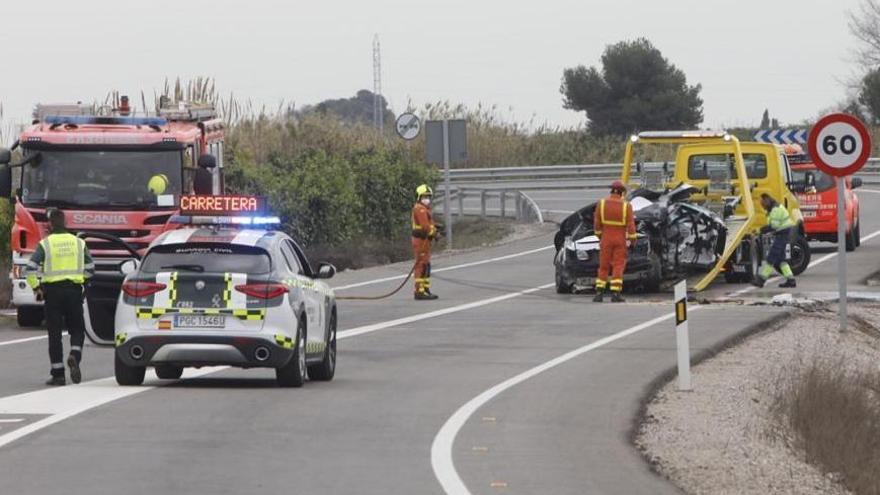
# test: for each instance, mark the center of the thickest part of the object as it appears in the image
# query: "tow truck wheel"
(29, 316)
(800, 255)
(293, 374)
(167, 372)
(128, 375)
(325, 370)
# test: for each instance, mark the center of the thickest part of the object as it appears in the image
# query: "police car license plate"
(199, 321)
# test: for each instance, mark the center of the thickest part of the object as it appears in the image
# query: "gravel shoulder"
(722, 438)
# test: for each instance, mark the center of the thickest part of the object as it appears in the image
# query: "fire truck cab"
(114, 175)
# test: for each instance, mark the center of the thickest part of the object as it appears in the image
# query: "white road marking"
(811, 265)
(27, 339)
(440, 312)
(64, 402)
(455, 267)
(873, 191)
(441, 448)
(13, 420)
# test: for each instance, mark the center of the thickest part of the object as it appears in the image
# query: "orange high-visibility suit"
(423, 232)
(613, 222)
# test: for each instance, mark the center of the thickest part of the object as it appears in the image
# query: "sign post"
(445, 143)
(682, 339)
(840, 145)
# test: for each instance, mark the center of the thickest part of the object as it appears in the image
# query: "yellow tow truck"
(729, 177)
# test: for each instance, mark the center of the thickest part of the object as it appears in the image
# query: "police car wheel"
(128, 375)
(167, 372)
(325, 370)
(293, 374)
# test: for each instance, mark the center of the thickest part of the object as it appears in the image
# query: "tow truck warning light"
(228, 205)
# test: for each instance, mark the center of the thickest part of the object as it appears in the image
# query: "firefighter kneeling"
(424, 231)
(615, 226)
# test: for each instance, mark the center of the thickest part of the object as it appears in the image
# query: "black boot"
(598, 296)
(758, 281)
(75, 373)
(789, 282)
(616, 297)
(56, 381)
(424, 296)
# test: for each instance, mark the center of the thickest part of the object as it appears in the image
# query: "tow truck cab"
(112, 174)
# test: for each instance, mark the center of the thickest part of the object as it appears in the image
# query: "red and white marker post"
(840, 146)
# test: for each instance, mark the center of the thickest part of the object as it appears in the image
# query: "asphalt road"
(501, 386)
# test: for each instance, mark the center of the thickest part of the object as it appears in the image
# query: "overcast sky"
(791, 56)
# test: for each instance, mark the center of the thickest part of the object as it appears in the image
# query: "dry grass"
(834, 410)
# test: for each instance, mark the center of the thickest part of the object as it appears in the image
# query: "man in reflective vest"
(779, 223)
(424, 231)
(615, 226)
(57, 270)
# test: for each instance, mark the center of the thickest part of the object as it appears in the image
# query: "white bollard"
(681, 337)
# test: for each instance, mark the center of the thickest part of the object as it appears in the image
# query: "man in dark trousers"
(58, 269)
(780, 224)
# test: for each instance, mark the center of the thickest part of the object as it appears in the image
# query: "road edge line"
(442, 462)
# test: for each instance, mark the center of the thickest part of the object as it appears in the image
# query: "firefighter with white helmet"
(424, 231)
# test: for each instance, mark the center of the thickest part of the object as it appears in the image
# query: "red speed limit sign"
(839, 144)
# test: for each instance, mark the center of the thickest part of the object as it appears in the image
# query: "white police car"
(226, 295)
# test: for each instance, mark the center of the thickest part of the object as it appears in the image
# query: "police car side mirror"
(5, 156)
(326, 270)
(128, 266)
(856, 182)
(207, 161)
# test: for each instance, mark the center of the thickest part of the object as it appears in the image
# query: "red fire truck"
(115, 175)
(818, 200)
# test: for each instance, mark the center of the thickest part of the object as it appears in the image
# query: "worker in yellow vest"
(57, 271)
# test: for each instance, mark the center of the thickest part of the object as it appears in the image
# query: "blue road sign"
(782, 136)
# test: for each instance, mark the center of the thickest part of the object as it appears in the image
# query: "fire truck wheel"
(29, 316)
(851, 239)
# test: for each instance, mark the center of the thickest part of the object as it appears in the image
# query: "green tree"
(869, 95)
(637, 89)
(357, 109)
(765, 119)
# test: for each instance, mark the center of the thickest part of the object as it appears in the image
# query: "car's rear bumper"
(251, 351)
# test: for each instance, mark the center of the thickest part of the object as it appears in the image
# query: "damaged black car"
(675, 238)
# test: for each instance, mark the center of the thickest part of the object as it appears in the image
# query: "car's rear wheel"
(293, 374)
(128, 375)
(29, 316)
(167, 372)
(325, 370)
(800, 255)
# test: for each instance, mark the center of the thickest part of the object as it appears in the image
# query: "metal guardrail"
(525, 209)
(870, 174)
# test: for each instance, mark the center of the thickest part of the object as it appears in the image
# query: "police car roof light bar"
(221, 220)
